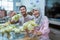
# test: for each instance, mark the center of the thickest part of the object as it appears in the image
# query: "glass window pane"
(10, 3)
(0, 3)
(4, 3)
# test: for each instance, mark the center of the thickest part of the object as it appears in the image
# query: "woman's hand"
(31, 31)
(38, 33)
(12, 21)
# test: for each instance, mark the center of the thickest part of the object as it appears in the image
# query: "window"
(0, 3)
(7, 5)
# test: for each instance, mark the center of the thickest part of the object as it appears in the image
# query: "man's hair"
(22, 6)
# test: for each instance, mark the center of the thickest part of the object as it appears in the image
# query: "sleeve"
(31, 17)
(45, 26)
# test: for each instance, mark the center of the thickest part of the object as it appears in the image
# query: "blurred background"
(52, 11)
(13, 5)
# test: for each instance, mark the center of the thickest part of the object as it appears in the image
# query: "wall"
(16, 7)
(30, 3)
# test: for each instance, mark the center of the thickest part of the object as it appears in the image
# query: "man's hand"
(12, 21)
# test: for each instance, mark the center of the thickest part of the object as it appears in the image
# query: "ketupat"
(7, 23)
(16, 17)
(25, 25)
(16, 30)
(2, 30)
(10, 27)
(7, 29)
(1, 26)
(30, 25)
(32, 22)
(21, 29)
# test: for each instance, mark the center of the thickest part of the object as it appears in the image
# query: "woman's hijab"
(38, 20)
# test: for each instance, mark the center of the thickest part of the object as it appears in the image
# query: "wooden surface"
(28, 38)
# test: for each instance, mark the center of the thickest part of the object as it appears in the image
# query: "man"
(25, 17)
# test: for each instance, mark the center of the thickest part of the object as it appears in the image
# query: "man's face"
(23, 10)
(36, 13)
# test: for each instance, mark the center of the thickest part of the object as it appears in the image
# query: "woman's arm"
(45, 26)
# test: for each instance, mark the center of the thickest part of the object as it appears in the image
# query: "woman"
(43, 29)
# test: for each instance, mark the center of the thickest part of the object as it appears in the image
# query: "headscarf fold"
(39, 19)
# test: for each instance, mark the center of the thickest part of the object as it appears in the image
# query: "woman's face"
(35, 13)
